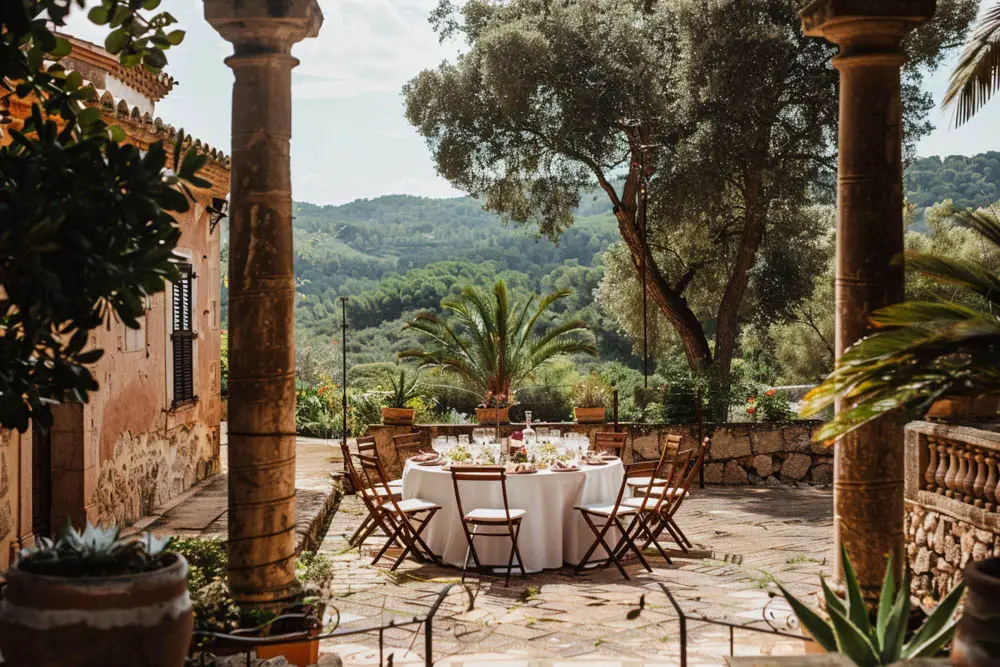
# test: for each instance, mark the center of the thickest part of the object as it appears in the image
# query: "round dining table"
(553, 533)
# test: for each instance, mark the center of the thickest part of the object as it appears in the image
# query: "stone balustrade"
(952, 501)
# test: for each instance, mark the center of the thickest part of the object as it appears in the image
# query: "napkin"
(424, 457)
(523, 469)
(563, 465)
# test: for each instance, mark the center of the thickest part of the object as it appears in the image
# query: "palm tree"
(926, 350)
(491, 341)
(977, 75)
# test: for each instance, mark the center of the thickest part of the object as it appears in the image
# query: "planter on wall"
(296, 653)
(398, 416)
(493, 415)
(123, 621)
(964, 407)
(590, 415)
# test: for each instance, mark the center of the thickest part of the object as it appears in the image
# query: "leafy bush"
(769, 406)
(316, 413)
(224, 365)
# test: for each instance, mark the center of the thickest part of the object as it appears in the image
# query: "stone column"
(868, 478)
(262, 295)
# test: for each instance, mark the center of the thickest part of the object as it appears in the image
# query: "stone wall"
(944, 534)
(740, 453)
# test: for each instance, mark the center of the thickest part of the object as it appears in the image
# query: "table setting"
(548, 474)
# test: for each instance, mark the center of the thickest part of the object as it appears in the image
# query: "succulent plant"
(97, 551)
(851, 632)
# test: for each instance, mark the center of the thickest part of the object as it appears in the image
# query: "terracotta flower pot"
(964, 407)
(493, 415)
(975, 643)
(137, 619)
(296, 653)
(590, 415)
(398, 416)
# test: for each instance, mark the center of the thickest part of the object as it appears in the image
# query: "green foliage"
(591, 392)
(96, 552)
(769, 406)
(88, 226)
(403, 390)
(922, 350)
(224, 365)
(977, 74)
(850, 632)
(967, 181)
(493, 343)
(316, 411)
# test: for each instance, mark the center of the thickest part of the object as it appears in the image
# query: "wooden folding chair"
(406, 446)
(670, 448)
(371, 499)
(610, 442)
(488, 518)
(367, 446)
(610, 516)
(405, 519)
(653, 501)
(677, 494)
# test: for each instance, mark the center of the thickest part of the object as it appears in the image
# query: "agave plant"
(95, 552)
(977, 76)
(492, 341)
(922, 351)
(851, 632)
(403, 388)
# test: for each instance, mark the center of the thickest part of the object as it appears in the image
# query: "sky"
(350, 139)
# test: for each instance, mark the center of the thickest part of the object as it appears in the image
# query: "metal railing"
(248, 640)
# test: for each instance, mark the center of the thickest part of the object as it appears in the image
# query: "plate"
(564, 469)
(429, 463)
(523, 472)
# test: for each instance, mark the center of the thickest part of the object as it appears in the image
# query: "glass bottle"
(528, 436)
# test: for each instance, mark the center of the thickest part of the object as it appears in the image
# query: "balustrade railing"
(964, 471)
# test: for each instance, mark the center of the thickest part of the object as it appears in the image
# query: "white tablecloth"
(552, 532)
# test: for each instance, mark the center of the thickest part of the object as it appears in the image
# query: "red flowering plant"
(769, 406)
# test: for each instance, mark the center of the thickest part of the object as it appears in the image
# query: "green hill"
(968, 181)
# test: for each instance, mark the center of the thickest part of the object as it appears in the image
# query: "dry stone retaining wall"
(740, 453)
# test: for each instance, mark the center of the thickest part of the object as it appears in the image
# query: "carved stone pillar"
(262, 294)
(868, 478)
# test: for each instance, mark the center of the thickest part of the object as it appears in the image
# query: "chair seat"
(644, 481)
(671, 492)
(642, 503)
(411, 506)
(606, 510)
(494, 515)
(380, 492)
(398, 483)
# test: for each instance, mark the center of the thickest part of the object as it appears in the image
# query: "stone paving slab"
(746, 539)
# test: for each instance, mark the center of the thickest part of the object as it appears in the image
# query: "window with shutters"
(183, 336)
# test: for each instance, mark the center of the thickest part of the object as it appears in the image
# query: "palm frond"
(977, 76)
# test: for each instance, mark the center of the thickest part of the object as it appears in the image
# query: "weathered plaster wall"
(15, 493)
(147, 451)
(740, 453)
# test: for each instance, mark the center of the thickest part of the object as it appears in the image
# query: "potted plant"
(851, 632)
(492, 342)
(590, 396)
(401, 391)
(494, 410)
(92, 599)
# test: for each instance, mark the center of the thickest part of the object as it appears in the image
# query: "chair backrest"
(407, 445)
(612, 442)
(689, 472)
(367, 447)
(480, 474)
(375, 477)
(671, 445)
(633, 470)
(665, 497)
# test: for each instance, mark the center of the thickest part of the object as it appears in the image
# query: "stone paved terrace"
(746, 539)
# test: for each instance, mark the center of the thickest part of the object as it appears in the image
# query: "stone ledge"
(956, 509)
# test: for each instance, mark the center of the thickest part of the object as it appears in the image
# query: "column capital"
(863, 26)
(264, 26)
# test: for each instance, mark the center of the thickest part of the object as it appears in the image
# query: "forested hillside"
(967, 181)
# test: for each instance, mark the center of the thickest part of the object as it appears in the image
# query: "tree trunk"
(728, 318)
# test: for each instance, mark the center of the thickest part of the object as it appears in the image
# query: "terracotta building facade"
(152, 429)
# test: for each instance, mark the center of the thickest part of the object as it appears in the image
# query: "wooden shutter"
(183, 336)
